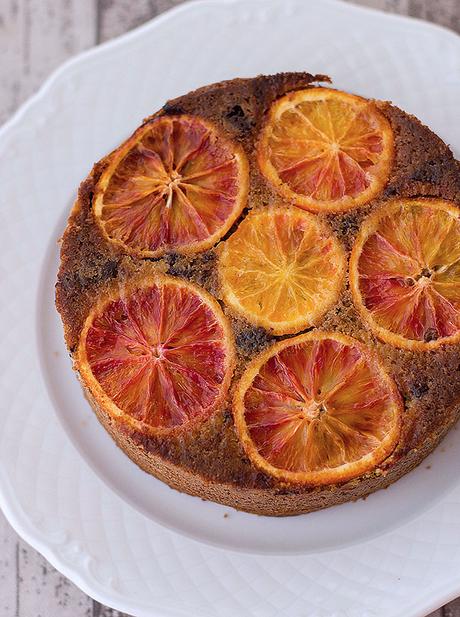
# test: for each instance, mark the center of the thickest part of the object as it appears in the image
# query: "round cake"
(260, 293)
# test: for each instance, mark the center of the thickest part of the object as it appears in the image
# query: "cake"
(260, 293)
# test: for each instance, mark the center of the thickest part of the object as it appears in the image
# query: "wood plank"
(452, 609)
(37, 36)
(34, 49)
(392, 6)
(8, 569)
(445, 12)
(117, 17)
(29, 586)
(104, 611)
(43, 592)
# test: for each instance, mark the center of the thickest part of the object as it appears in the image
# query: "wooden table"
(35, 37)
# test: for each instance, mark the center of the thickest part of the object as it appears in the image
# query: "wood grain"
(118, 16)
(8, 569)
(43, 591)
(35, 37)
(445, 12)
(452, 609)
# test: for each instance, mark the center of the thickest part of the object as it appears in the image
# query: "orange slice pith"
(326, 150)
(157, 354)
(282, 269)
(405, 273)
(177, 184)
(317, 409)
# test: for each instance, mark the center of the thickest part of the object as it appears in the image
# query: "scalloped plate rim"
(8, 503)
(106, 47)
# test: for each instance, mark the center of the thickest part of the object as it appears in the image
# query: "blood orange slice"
(177, 184)
(326, 150)
(317, 409)
(405, 273)
(157, 354)
(282, 269)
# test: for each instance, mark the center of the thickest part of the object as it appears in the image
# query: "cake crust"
(208, 460)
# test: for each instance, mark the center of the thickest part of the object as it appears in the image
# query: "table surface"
(35, 37)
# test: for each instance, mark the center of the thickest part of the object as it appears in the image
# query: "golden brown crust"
(265, 500)
(209, 460)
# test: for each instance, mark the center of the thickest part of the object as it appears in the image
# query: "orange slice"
(282, 269)
(157, 354)
(405, 273)
(177, 184)
(317, 409)
(326, 150)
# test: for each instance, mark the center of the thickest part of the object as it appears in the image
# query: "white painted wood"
(8, 568)
(104, 611)
(452, 609)
(443, 12)
(446, 13)
(35, 37)
(123, 15)
(43, 592)
(30, 587)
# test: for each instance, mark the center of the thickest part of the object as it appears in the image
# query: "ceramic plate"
(122, 536)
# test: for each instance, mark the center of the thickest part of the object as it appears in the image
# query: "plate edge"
(9, 505)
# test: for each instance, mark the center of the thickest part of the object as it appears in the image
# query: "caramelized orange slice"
(405, 273)
(282, 269)
(317, 409)
(157, 354)
(326, 150)
(177, 184)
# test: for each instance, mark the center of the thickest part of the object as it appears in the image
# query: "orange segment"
(157, 354)
(177, 184)
(405, 273)
(282, 269)
(317, 409)
(326, 150)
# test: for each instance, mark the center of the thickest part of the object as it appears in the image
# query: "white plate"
(50, 495)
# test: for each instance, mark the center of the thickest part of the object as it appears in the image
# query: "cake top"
(287, 251)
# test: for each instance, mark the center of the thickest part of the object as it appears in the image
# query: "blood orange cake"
(260, 292)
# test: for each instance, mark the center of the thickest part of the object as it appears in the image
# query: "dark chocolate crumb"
(418, 389)
(252, 339)
(172, 110)
(236, 112)
(238, 119)
(431, 335)
(199, 269)
(227, 415)
(109, 270)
